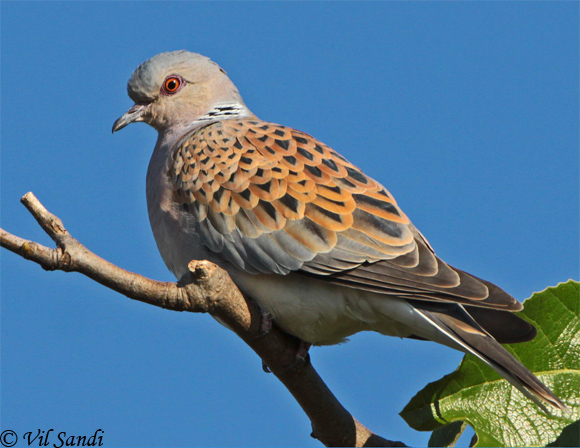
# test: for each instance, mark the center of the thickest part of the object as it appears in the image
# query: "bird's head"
(176, 89)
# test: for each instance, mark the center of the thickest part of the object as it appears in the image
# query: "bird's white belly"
(322, 313)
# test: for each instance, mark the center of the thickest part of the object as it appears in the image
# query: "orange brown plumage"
(318, 244)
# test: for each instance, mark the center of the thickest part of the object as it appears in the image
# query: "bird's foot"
(302, 353)
(265, 367)
(302, 357)
(265, 324)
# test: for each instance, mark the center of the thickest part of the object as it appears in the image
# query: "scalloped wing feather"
(273, 200)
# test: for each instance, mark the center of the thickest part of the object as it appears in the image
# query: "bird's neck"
(224, 111)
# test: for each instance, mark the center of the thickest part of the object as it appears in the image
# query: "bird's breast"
(175, 230)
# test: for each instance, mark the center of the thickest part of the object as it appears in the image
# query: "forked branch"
(206, 288)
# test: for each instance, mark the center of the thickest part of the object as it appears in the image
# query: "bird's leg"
(302, 356)
(302, 352)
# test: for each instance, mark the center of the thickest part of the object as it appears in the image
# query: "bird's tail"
(464, 331)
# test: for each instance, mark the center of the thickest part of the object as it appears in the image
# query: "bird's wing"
(272, 199)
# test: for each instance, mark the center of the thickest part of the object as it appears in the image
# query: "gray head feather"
(204, 88)
(144, 84)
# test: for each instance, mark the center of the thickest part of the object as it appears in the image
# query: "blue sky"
(467, 112)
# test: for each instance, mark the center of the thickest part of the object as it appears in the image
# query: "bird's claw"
(302, 353)
(265, 324)
(302, 357)
(265, 367)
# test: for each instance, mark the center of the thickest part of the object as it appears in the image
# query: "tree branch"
(206, 288)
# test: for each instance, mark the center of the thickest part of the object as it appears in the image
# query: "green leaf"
(448, 435)
(499, 413)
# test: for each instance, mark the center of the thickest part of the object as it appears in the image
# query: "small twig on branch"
(206, 288)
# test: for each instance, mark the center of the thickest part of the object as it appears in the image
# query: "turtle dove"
(319, 245)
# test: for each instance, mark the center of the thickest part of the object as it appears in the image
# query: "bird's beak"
(131, 116)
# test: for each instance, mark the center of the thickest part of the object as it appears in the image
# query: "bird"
(323, 249)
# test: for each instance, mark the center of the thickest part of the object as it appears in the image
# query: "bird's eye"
(172, 84)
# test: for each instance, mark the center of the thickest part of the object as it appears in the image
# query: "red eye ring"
(172, 84)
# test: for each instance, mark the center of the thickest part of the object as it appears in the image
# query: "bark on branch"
(206, 288)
